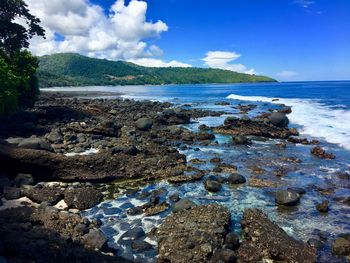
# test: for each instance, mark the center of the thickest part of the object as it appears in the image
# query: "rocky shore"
(69, 154)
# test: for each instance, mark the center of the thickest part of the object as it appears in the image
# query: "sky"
(290, 40)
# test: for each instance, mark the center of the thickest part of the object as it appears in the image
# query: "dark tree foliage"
(18, 82)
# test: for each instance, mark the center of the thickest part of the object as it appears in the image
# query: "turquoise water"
(321, 110)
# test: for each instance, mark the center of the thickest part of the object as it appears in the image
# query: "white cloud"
(305, 3)
(85, 28)
(223, 59)
(157, 63)
(287, 74)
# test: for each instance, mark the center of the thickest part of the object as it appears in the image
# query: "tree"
(18, 82)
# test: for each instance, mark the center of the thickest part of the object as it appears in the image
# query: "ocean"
(320, 110)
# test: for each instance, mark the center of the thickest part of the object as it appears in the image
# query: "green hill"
(68, 69)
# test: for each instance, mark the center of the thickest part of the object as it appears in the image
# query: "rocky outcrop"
(321, 153)
(193, 235)
(82, 198)
(264, 239)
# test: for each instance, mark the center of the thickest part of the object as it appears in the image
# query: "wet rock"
(323, 207)
(140, 245)
(286, 110)
(204, 227)
(215, 160)
(222, 103)
(321, 153)
(287, 197)
(95, 239)
(55, 137)
(266, 240)
(261, 183)
(223, 256)
(133, 234)
(183, 204)
(156, 209)
(341, 247)
(298, 190)
(82, 198)
(231, 241)
(236, 178)
(315, 243)
(279, 119)
(35, 143)
(303, 141)
(174, 197)
(24, 179)
(203, 136)
(144, 124)
(185, 178)
(11, 192)
(212, 186)
(241, 140)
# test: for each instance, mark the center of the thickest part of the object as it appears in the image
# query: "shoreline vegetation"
(49, 181)
(70, 69)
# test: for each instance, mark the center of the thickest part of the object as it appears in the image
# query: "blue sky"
(285, 39)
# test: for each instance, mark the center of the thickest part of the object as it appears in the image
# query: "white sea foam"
(316, 119)
(87, 152)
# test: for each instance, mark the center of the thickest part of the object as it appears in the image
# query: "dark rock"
(222, 103)
(133, 234)
(223, 256)
(174, 197)
(315, 243)
(286, 110)
(95, 239)
(55, 137)
(212, 186)
(35, 143)
(203, 136)
(11, 192)
(266, 240)
(235, 178)
(82, 198)
(298, 190)
(279, 119)
(203, 227)
(51, 195)
(215, 160)
(231, 241)
(239, 139)
(341, 247)
(323, 207)
(287, 197)
(140, 245)
(24, 179)
(183, 204)
(321, 153)
(144, 124)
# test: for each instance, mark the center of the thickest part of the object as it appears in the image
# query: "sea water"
(320, 110)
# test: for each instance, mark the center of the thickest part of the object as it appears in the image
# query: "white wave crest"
(317, 119)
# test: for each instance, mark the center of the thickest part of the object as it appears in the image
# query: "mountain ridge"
(72, 69)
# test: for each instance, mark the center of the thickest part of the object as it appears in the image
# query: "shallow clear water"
(321, 110)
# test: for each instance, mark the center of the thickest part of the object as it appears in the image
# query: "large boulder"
(39, 194)
(212, 186)
(266, 240)
(95, 239)
(279, 119)
(144, 124)
(341, 247)
(11, 193)
(287, 197)
(236, 178)
(241, 140)
(183, 204)
(82, 198)
(193, 235)
(35, 143)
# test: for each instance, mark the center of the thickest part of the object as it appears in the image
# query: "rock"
(235, 178)
(323, 207)
(144, 124)
(133, 234)
(24, 179)
(341, 247)
(11, 193)
(264, 239)
(35, 143)
(279, 119)
(183, 204)
(140, 245)
(298, 190)
(315, 243)
(174, 197)
(95, 239)
(212, 186)
(15, 141)
(286, 110)
(215, 160)
(203, 136)
(287, 197)
(51, 195)
(231, 241)
(223, 256)
(222, 103)
(241, 140)
(55, 137)
(321, 153)
(82, 198)
(192, 235)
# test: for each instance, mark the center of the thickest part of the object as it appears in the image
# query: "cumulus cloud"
(287, 74)
(82, 27)
(223, 59)
(158, 63)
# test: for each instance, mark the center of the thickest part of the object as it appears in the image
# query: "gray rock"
(183, 204)
(287, 197)
(95, 239)
(144, 124)
(12, 192)
(231, 241)
(16, 140)
(279, 119)
(24, 179)
(323, 207)
(35, 143)
(133, 234)
(212, 186)
(236, 179)
(241, 140)
(140, 245)
(298, 190)
(55, 136)
(223, 256)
